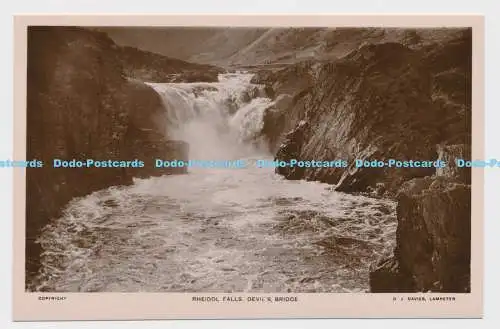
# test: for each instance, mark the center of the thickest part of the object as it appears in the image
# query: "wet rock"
(373, 104)
(387, 276)
(166, 150)
(290, 87)
(80, 105)
(110, 203)
(450, 154)
(433, 237)
(381, 101)
(334, 242)
(386, 210)
(290, 149)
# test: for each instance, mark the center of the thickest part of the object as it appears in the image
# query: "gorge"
(329, 94)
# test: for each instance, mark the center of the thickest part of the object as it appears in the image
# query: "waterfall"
(221, 120)
(224, 230)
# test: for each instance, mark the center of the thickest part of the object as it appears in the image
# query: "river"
(216, 230)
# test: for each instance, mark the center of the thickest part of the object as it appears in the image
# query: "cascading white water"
(231, 230)
(218, 120)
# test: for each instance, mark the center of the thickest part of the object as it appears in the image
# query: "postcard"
(248, 166)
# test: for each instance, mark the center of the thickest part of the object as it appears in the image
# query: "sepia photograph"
(327, 98)
(248, 170)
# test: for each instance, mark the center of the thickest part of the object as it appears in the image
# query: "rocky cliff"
(400, 100)
(433, 236)
(81, 105)
(381, 101)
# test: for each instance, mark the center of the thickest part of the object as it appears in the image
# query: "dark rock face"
(433, 236)
(290, 87)
(388, 276)
(403, 100)
(344, 123)
(373, 104)
(81, 106)
(291, 150)
(159, 149)
(381, 101)
(449, 154)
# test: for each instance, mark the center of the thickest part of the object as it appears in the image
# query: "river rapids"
(216, 230)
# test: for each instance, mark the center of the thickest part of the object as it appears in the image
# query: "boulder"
(433, 237)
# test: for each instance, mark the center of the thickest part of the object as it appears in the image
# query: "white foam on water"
(216, 119)
(216, 230)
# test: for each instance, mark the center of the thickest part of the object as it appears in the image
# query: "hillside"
(256, 46)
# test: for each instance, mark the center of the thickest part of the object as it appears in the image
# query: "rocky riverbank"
(82, 104)
(433, 236)
(381, 101)
(407, 100)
